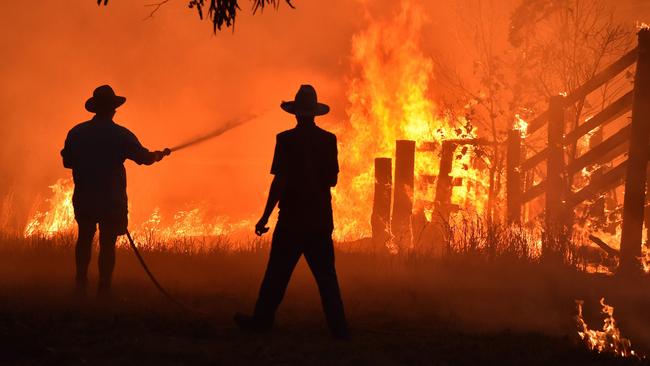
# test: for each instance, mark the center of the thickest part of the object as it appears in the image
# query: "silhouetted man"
(95, 151)
(305, 167)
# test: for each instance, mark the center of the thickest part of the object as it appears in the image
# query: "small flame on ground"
(195, 222)
(607, 340)
(60, 215)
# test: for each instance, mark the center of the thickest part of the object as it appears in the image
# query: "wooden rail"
(633, 139)
(591, 85)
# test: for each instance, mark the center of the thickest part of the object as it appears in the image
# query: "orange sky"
(181, 80)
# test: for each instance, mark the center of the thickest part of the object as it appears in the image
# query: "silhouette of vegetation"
(552, 46)
(220, 12)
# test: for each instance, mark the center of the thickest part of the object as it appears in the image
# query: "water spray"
(216, 133)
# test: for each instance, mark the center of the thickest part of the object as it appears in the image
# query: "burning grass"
(460, 277)
(467, 307)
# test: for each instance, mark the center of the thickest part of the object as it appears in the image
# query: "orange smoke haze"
(180, 80)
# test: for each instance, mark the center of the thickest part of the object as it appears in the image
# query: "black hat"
(104, 99)
(305, 103)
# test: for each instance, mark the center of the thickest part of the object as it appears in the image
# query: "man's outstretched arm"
(141, 155)
(277, 186)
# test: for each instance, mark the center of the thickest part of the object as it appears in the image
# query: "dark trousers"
(286, 249)
(106, 260)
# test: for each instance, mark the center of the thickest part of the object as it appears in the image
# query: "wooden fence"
(560, 200)
(632, 139)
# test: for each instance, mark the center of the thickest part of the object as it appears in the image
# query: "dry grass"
(485, 304)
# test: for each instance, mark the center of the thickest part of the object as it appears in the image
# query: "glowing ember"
(607, 340)
(645, 259)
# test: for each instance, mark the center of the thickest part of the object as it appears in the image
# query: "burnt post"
(513, 177)
(403, 192)
(380, 219)
(444, 184)
(637, 161)
(555, 179)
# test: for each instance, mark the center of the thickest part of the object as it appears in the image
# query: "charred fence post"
(403, 192)
(380, 219)
(444, 184)
(635, 182)
(513, 177)
(555, 178)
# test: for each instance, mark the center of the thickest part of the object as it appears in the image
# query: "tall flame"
(390, 100)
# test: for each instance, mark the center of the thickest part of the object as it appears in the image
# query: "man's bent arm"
(277, 186)
(66, 154)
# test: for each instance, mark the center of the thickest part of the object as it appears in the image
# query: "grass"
(461, 309)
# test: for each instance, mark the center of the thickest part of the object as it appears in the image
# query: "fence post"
(444, 184)
(403, 193)
(513, 177)
(555, 179)
(637, 161)
(380, 219)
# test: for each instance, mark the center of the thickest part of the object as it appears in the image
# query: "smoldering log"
(380, 219)
(403, 192)
(609, 250)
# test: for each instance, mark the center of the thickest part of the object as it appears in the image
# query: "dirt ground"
(403, 311)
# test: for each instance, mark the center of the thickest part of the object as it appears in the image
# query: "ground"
(410, 310)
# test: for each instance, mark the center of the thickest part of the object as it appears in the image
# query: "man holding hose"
(95, 150)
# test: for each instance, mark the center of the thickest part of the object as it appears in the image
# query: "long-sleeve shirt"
(95, 150)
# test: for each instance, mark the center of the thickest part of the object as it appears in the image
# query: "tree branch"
(155, 6)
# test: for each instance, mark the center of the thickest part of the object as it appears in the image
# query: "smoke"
(179, 79)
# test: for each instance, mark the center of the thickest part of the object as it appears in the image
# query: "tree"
(551, 46)
(220, 12)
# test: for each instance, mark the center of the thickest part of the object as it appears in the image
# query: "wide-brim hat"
(305, 103)
(104, 99)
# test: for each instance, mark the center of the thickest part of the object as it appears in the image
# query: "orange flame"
(390, 100)
(59, 218)
(60, 215)
(609, 339)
